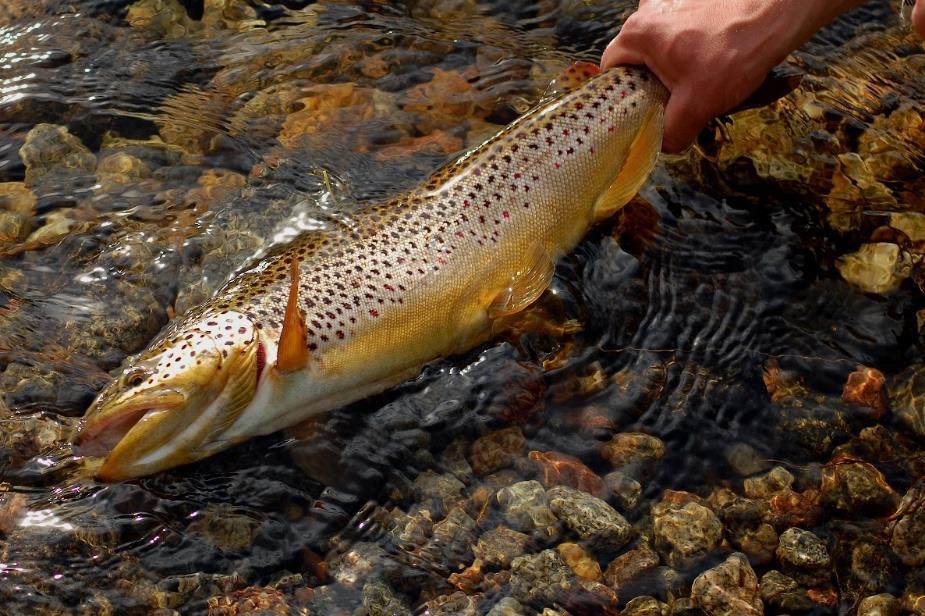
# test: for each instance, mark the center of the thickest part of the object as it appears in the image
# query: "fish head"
(171, 404)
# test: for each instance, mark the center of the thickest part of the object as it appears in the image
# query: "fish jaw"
(195, 384)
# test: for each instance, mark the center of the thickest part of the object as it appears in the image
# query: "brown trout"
(340, 314)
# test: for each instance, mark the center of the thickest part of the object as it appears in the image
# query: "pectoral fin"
(640, 159)
(525, 287)
(292, 351)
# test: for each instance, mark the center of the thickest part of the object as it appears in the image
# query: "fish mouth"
(99, 437)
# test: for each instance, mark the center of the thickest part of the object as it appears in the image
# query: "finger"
(684, 119)
(618, 54)
(918, 17)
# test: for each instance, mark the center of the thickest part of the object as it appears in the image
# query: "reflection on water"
(747, 367)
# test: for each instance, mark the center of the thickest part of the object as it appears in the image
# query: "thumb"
(618, 54)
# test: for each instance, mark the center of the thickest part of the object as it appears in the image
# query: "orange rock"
(437, 142)
(827, 597)
(865, 388)
(329, 106)
(581, 563)
(559, 468)
(789, 508)
(248, 601)
(445, 100)
(469, 579)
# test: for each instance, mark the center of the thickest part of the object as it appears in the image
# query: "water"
(714, 313)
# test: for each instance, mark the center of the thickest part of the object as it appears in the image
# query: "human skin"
(918, 18)
(711, 54)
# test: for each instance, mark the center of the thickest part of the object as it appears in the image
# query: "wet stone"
(590, 517)
(804, 557)
(357, 563)
(50, 148)
(852, 486)
(744, 460)
(729, 589)
(508, 606)
(380, 600)
(646, 606)
(624, 488)
(684, 535)
(446, 490)
(634, 453)
(452, 540)
(628, 566)
(685, 606)
(764, 486)
(883, 604)
(455, 604)
(559, 468)
(497, 450)
(581, 563)
(541, 579)
(759, 544)
(525, 506)
(499, 546)
(907, 398)
(783, 592)
(908, 536)
(251, 600)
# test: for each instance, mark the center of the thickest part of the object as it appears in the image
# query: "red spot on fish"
(506, 214)
(459, 234)
(466, 203)
(261, 359)
(517, 176)
(610, 129)
(558, 165)
(374, 313)
(623, 94)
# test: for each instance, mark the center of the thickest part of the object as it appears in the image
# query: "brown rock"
(497, 450)
(865, 388)
(580, 561)
(908, 532)
(626, 567)
(789, 508)
(499, 546)
(559, 468)
(633, 449)
(251, 600)
(15, 197)
(684, 535)
(851, 485)
(729, 589)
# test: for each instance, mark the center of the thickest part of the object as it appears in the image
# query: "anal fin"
(640, 160)
(525, 286)
(292, 351)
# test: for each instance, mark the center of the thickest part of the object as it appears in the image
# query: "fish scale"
(416, 277)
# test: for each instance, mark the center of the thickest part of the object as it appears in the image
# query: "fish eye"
(135, 377)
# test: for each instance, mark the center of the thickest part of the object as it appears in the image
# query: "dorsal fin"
(292, 353)
(572, 77)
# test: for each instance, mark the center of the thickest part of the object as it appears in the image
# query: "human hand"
(918, 18)
(711, 54)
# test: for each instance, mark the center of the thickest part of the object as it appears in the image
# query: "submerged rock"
(876, 268)
(685, 534)
(525, 506)
(908, 536)
(499, 546)
(853, 486)
(559, 468)
(729, 589)
(634, 453)
(907, 398)
(541, 579)
(883, 604)
(497, 450)
(804, 556)
(581, 563)
(590, 517)
(53, 149)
